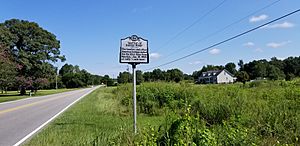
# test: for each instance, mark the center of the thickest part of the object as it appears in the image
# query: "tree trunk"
(23, 91)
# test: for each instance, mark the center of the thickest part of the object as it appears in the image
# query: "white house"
(216, 77)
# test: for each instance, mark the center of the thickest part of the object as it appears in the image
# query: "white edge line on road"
(47, 122)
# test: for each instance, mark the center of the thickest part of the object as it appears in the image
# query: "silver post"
(56, 77)
(56, 81)
(134, 98)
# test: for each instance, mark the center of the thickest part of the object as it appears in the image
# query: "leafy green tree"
(139, 77)
(41, 83)
(260, 69)
(292, 67)
(31, 47)
(274, 73)
(290, 76)
(242, 76)
(86, 77)
(6, 37)
(7, 70)
(107, 80)
(73, 77)
(277, 63)
(187, 77)
(72, 80)
(157, 74)
(96, 79)
(27, 55)
(124, 77)
(25, 82)
(211, 67)
(166, 76)
(175, 75)
(147, 76)
(60, 84)
(67, 68)
(241, 65)
(33, 44)
(231, 68)
(45, 70)
(196, 75)
(256, 69)
(7, 67)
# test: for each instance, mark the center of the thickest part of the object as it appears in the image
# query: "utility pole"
(56, 76)
(56, 81)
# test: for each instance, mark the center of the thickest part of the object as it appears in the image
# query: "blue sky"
(90, 30)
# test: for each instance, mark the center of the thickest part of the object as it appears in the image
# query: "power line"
(191, 25)
(220, 30)
(226, 40)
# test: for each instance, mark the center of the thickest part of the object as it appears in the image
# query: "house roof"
(211, 73)
(214, 73)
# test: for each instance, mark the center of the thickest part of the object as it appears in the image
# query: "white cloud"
(195, 62)
(277, 45)
(155, 55)
(280, 58)
(284, 57)
(258, 50)
(214, 51)
(249, 44)
(258, 18)
(281, 25)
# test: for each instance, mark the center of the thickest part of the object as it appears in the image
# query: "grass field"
(258, 113)
(14, 95)
(95, 120)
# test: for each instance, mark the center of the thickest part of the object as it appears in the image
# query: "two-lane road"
(21, 119)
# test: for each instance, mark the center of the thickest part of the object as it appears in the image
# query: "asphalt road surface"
(20, 119)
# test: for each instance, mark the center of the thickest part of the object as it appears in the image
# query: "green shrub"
(186, 130)
(268, 112)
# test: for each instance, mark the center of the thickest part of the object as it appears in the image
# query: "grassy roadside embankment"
(98, 119)
(14, 95)
(258, 113)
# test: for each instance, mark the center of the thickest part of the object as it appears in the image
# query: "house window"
(226, 78)
(224, 73)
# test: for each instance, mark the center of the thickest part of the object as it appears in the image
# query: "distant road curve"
(20, 119)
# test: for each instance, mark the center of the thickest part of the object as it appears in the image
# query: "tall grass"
(98, 119)
(261, 112)
(258, 113)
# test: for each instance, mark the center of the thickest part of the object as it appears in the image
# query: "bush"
(262, 112)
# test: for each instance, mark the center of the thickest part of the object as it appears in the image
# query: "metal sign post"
(134, 50)
(134, 97)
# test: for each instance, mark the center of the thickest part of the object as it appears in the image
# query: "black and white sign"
(134, 49)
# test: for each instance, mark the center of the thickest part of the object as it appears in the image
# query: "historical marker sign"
(134, 50)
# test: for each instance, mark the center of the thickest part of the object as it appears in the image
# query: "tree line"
(174, 75)
(72, 77)
(275, 69)
(27, 55)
